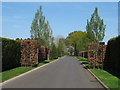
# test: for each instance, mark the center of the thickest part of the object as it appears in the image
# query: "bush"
(10, 54)
(112, 57)
(42, 55)
(53, 52)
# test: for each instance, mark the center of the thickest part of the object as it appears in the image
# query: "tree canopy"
(53, 52)
(95, 27)
(40, 29)
(61, 46)
(78, 40)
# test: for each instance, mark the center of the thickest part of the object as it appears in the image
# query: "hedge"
(42, 55)
(112, 57)
(10, 54)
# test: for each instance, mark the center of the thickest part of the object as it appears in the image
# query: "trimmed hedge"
(10, 54)
(112, 57)
(43, 51)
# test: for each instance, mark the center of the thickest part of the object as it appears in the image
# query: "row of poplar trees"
(78, 40)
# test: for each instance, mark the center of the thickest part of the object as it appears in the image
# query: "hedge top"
(115, 38)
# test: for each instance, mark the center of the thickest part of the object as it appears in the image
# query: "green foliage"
(78, 40)
(61, 46)
(40, 29)
(114, 38)
(10, 54)
(17, 39)
(53, 53)
(83, 60)
(71, 50)
(95, 27)
(112, 57)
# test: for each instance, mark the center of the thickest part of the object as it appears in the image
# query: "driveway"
(67, 72)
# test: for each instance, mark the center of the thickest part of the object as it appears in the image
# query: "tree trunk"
(48, 55)
(75, 50)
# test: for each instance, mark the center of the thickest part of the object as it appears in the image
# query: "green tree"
(70, 50)
(61, 46)
(17, 39)
(53, 52)
(95, 27)
(41, 31)
(77, 40)
(28, 39)
(37, 27)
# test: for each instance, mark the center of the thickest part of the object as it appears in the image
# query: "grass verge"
(19, 70)
(83, 60)
(108, 79)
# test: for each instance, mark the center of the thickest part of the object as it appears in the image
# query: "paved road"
(67, 72)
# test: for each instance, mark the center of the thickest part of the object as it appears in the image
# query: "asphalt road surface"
(67, 72)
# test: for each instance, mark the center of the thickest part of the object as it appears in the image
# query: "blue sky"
(64, 17)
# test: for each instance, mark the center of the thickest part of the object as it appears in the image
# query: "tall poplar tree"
(61, 46)
(95, 27)
(41, 30)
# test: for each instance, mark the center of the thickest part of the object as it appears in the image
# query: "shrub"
(28, 52)
(112, 57)
(10, 54)
(53, 52)
(43, 51)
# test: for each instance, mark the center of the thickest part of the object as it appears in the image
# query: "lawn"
(107, 78)
(14, 72)
(19, 70)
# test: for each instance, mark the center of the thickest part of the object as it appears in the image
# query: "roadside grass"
(107, 78)
(83, 60)
(47, 61)
(19, 70)
(14, 72)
